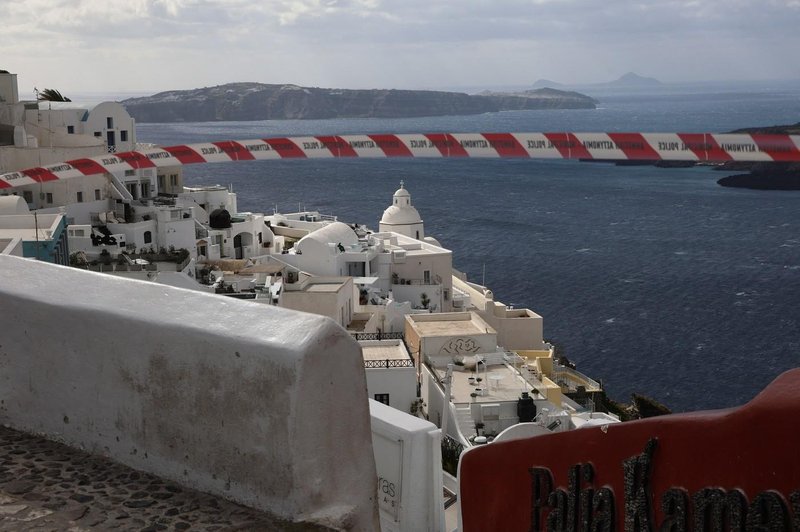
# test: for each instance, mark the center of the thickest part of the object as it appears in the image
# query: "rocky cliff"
(257, 101)
(764, 176)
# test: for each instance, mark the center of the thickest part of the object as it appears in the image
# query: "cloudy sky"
(143, 46)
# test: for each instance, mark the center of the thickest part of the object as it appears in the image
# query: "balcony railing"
(379, 336)
(389, 363)
(418, 282)
(571, 379)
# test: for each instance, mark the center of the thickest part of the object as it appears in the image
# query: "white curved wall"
(260, 405)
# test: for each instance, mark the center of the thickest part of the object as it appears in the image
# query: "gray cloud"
(159, 44)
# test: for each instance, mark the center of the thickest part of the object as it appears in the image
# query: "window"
(129, 173)
(70, 129)
(123, 135)
(173, 180)
(161, 182)
(28, 195)
(148, 237)
(49, 197)
(382, 398)
(109, 122)
(98, 133)
(426, 277)
(97, 193)
(80, 196)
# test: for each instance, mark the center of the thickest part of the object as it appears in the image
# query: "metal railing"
(570, 378)
(418, 282)
(389, 363)
(379, 336)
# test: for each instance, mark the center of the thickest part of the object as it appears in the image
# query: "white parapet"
(408, 455)
(260, 405)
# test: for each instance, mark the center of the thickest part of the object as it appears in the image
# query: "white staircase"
(465, 422)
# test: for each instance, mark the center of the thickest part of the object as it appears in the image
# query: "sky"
(146, 46)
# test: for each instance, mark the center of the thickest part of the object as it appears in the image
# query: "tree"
(51, 95)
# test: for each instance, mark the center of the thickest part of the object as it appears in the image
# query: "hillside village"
(426, 333)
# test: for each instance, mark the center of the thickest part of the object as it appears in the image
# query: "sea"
(654, 281)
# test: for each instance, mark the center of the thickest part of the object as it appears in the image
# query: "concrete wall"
(409, 457)
(220, 395)
(399, 383)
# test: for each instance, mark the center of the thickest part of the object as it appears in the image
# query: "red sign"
(736, 469)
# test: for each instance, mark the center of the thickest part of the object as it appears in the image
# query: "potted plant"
(423, 298)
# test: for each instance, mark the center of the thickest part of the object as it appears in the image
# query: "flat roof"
(498, 383)
(324, 287)
(263, 268)
(461, 324)
(385, 351)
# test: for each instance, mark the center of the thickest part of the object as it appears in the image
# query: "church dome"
(401, 212)
(402, 192)
(399, 216)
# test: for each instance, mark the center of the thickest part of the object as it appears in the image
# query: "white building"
(112, 212)
(328, 296)
(391, 374)
(387, 265)
(32, 235)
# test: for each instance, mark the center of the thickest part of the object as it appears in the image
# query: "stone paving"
(47, 486)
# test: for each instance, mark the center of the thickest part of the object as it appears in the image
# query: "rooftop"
(384, 350)
(450, 324)
(324, 287)
(499, 382)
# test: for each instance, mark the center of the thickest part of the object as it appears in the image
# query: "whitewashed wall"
(260, 405)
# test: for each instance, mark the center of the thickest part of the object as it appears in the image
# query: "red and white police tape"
(706, 147)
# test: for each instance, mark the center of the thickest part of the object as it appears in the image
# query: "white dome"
(402, 192)
(13, 205)
(334, 233)
(395, 215)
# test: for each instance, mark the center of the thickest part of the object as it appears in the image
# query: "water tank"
(526, 408)
(219, 219)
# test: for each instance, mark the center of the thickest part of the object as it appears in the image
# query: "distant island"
(259, 101)
(765, 176)
(630, 80)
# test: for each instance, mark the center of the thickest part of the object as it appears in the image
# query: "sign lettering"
(582, 506)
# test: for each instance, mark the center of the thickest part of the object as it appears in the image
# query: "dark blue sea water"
(653, 280)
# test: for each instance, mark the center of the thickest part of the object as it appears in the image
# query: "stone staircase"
(465, 422)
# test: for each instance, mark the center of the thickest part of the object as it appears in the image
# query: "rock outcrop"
(258, 101)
